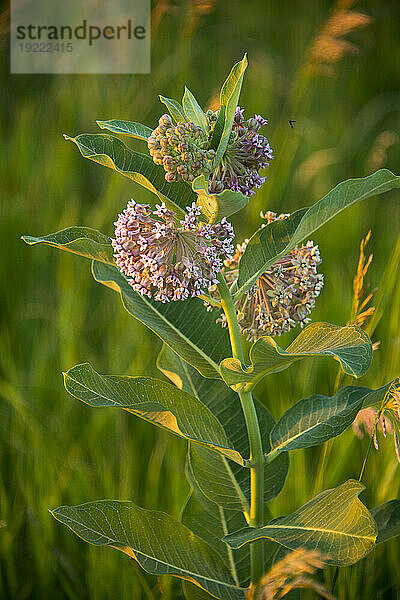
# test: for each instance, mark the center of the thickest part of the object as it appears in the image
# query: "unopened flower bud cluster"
(182, 149)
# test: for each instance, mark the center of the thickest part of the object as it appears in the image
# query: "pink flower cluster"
(166, 259)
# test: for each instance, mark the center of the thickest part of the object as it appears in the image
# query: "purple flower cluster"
(166, 259)
(247, 152)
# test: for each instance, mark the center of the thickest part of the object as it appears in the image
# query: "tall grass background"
(337, 76)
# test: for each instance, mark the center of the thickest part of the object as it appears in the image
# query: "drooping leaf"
(316, 419)
(229, 99)
(175, 109)
(387, 517)
(335, 522)
(185, 326)
(212, 523)
(130, 128)
(114, 154)
(221, 480)
(350, 345)
(156, 401)
(159, 543)
(78, 240)
(278, 238)
(216, 206)
(193, 111)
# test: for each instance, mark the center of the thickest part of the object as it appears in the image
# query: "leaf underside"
(84, 241)
(111, 152)
(154, 400)
(129, 128)
(316, 419)
(350, 345)
(335, 523)
(159, 543)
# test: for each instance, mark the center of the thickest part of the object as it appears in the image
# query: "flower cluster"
(168, 259)
(247, 152)
(283, 295)
(183, 150)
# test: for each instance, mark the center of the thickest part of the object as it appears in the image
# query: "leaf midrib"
(319, 529)
(229, 549)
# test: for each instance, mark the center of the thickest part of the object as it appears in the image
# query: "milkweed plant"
(179, 270)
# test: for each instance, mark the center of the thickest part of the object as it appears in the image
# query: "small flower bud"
(216, 187)
(171, 177)
(180, 128)
(168, 161)
(165, 120)
(253, 125)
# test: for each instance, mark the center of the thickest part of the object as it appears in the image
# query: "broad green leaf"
(135, 130)
(229, 99)
(387, 517)
(193, 111)
(216, 206)
(114, 154)
(350, 345)
(335, 522)
(153, 400)
(78, 240)
(185, 326)
(278, 238)
(221, 480)
(316, 419)
(212, 523)
(175, 109)
(160, 544)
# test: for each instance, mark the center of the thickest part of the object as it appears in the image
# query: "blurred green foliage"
(345, 100)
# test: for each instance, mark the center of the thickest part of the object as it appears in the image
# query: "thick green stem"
(255, 443)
